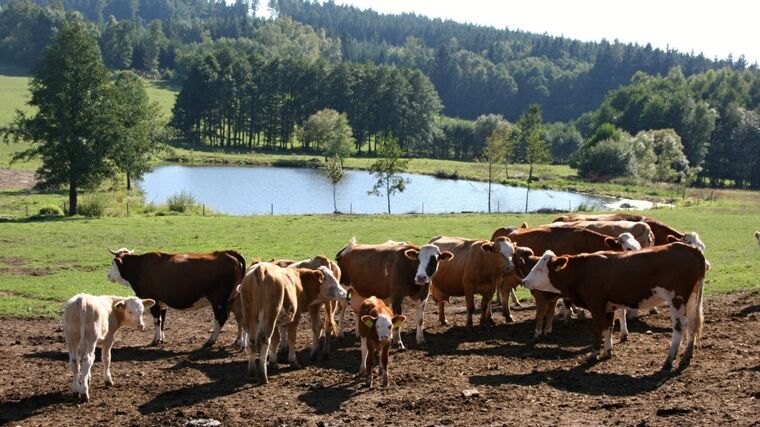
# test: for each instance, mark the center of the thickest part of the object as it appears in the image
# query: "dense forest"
(437, 87)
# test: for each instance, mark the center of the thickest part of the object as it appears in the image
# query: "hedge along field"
(43, 263)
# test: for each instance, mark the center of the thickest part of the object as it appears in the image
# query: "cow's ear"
(119, 260)
(488, 247)
(524, 225)
(445, 256)
(320, 276)
(120, 305)
(398, 320)
(560, 263)
(148, 303)
(671, 238)
(412, 254)
(369, 320)
(612, 243)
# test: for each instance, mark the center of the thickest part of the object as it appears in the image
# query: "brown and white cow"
(392, 272)
(563, 240)
(478, 267)
(274, 298)
(640, 230)
(184, 281)
(376, 323)
(91, 321)
(331, 306)
(605, 281)
(660, 230)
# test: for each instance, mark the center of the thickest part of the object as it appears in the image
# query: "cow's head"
(383, 324)
(114, 276)
(523, 260)
(691, 238)
(625, 242)
(329, 287)
(130, 311)
(503, 247)
(538, 278)
(428, 257)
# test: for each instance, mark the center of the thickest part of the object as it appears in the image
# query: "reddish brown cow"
(392, 272)
(605, 281)
(561, 240)
(376, 322)
(478, 267)
(660, 230)
(183, 281)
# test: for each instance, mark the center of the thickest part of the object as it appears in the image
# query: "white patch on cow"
(607, 342)
(330, 288)
(659, 296)
(427, 253)
(538, 278)
(677, 317)
(157, 333)
(419, 320)
(628, 242)
(114, 276)
(383, 326)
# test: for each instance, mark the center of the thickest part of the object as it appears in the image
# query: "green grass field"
(42, 263)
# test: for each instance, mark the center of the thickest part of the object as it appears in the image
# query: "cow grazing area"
(45, 262)
(547, 383)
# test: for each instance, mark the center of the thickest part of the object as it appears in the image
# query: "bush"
(606, 159)
(94, 204)
(180, 202)
(50, 210)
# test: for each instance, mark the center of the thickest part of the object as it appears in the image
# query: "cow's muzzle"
(421, 280)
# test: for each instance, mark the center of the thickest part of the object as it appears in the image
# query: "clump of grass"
(50, 210)
(442, 174)
(94, 205)
(181, 202)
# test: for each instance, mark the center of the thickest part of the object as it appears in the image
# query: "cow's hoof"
(624, 338)
(154, 343)
(667, 366)
(75, 395)
(509, 319)
(444, 322)
(109, 383)
(84, 398)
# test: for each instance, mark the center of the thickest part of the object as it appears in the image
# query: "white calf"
(90, 321)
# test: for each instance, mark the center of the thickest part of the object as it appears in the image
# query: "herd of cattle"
(605, 264)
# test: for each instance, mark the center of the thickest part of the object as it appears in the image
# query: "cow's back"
(88, 314)
(469, 264)
(561, 240)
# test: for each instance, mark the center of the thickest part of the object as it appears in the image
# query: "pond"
(283, 190)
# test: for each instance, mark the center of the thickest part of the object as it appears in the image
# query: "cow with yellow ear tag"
(376, 324)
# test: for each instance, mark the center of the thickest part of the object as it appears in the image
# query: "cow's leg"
(419, 320)
(342, 306)
(74, 365)
(237, 309)
(469, 298)
(694, 321)
(363, 360)
(540, 303)
(504, 294)
(549, 315)
(609, 322)
(292, 329)
(156, 312)
(396, 306)
(370, 363)
(163, 323)
(384, 364)
(621, 314)
(276, 343)
(678, 317)
(485, 307)
(105, 353)
(513, 295)
(252, 324)
(262, 343)
(441, 313)
(597, 326)
(316, 330)
(87, 356)
(329, 327)
(566, 310)
(221, 313)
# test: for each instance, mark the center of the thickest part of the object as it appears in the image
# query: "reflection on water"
(259, 190)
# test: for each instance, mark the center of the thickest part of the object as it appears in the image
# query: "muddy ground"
(548, 383)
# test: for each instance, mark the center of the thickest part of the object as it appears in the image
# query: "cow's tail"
(82, 322)
(700, 316)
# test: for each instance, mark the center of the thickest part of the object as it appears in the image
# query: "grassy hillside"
(42, 263)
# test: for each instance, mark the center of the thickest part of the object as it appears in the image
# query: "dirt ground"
(549, 383)
(16, 179)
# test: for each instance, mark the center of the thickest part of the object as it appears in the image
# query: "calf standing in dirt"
(375, 327)
(90, 321)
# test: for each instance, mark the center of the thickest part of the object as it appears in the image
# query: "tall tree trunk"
(335, 203)
(530, 173)
(490, 179)
(129, 182)
(72, 198)
(388, 192)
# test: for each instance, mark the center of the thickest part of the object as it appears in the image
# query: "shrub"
(94, 204)
(180, 202)
(606, 159)
(50, 210)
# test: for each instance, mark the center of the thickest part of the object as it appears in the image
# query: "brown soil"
(16, 179)
(548, 383)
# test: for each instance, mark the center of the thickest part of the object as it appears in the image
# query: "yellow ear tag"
(559, 267)
(398, 324)
(369, 323)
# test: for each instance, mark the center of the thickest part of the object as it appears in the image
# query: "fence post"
(64, 209)
(127, 208)
(27, 210)
(351, 208)
(271, 209)
(498, 206)
(203, 208)
(423, 207)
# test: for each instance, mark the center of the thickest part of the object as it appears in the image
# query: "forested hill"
(479, 69)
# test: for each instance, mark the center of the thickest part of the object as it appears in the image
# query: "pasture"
(42, 263)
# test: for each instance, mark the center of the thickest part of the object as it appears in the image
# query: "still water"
(260, 190)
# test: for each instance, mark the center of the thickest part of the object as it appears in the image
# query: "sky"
(717, 28)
